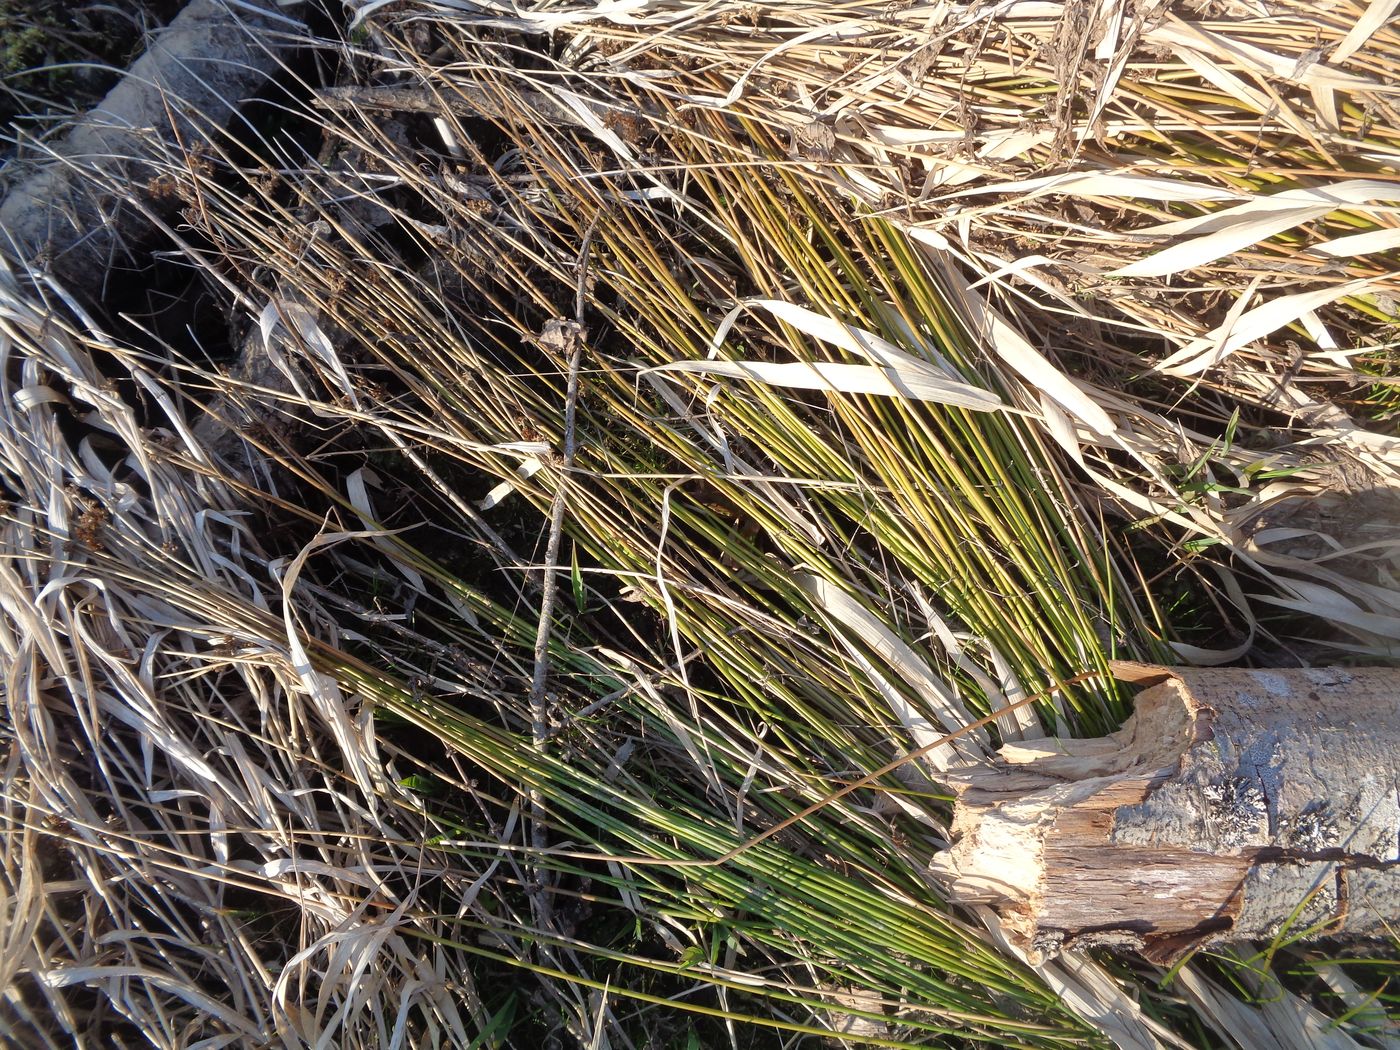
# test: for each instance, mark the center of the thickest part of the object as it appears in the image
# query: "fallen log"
(1233, 805)
(86, 202)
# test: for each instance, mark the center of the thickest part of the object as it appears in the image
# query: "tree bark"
(1234, 804)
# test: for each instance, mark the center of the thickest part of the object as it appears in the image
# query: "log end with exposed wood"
(1234, 804)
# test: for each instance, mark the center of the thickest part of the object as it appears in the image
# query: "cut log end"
(1233, 805)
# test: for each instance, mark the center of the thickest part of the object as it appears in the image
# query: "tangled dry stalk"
(921, 350)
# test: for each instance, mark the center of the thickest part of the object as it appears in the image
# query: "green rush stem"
(822, 803)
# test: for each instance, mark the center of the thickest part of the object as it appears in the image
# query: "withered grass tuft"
(928, 358)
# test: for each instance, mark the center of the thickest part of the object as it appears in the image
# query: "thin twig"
(550, 584)
(539, 705)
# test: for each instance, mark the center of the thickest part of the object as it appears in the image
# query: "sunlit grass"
(768, 593)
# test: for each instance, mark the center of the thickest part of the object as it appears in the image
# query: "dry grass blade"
(173, 797)
(885, 421)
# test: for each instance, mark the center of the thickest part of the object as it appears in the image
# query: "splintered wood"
(1234, 804)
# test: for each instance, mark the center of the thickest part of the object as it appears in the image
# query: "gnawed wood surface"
(1232, 805)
